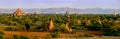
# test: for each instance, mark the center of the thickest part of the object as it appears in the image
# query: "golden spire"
(70, 30)
(78, 21)
(51, 25)
(99, 21)
(67, 27)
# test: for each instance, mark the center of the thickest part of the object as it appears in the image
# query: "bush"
(55, 35)
(27, 26)
(14, 37)
(87, 35)
(1, 37)
(112, 32)
(95, 27)
(2, 33)
(8, 28)
(23, 37)
(12, 29)
(35, 37)
(18, 37)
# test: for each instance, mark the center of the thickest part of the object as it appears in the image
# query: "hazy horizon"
(81, 4)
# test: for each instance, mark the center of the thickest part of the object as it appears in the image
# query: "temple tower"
(67, 27)
(78, 21)
(18, 12)
(115, 13)
(67, 14)
(51, 25)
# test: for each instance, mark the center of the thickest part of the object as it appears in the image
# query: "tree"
(27, 26)
(23, 37)
(112, 32)
(2, 35)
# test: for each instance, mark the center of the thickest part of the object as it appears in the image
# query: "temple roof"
(18, 12)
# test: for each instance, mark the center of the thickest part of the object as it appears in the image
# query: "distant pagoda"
(18, 12)
(55, 11)
(78, 21)
(67, 14)
(76, 14)
(67, 27)
(115, 13)
(99, 21)
(88, 22)
(51, 25)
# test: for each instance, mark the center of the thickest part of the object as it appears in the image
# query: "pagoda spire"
(67, 14)
(115, 13)
(51, 25)
(67, 27)
(55, 12)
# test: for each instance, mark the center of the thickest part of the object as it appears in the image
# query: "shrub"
(12, 29)
(23, 37)
(112, 32)
(95, 27)
(27, 26)
(2, 33)
(1, 37)
(18, 37)
(55, 35)
(15, 37)
(87, 35)
(35, 37)
(8, 29)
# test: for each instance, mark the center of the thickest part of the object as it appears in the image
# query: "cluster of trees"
(40, 22)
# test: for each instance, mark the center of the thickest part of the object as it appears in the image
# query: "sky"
(111, 4)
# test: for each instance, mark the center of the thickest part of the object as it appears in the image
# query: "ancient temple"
(51, 25)
(88, 22)
(69, 29)
(115, 13)
(66, 26)
(78, 21)
(99, 21)
(67, 14)
(18, 12)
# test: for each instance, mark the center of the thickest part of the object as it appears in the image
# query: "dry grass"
(64, 36)
(43, 34)
(28, 34)
(104, 37)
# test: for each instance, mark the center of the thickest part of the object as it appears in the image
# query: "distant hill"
(62, 10)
